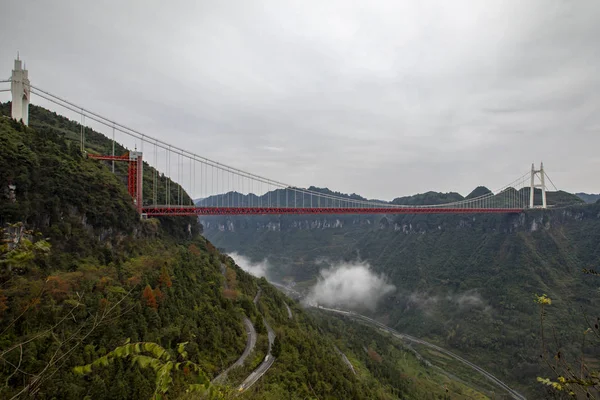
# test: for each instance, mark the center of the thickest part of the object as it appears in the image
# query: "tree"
(164, 278)
(65, 343)
(575, 380)
(194, 249)
(158, 294)
(149, 297)
(231, 277)
(276, 350)
(373, 355)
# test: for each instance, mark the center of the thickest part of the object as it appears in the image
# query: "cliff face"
(510, 223)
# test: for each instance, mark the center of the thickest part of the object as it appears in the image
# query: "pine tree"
(164, 278)
(148, 295)
(158, 295)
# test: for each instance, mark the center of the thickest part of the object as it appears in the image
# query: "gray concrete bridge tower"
(541, 177)
(19, 87)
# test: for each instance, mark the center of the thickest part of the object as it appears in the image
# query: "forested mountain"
(588, 197)
(83, 279)
(291, 198)
(465, 282)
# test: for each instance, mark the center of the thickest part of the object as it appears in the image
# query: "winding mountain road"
(267, 362)
(287, 290)
(403, 336)
(345, 359)
(250, 341)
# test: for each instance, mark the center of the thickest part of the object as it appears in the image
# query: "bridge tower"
(135, 176)
(19, 87)
(135, 173)
(541, 177)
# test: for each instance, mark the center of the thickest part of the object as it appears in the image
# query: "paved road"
(345, 359)
(257, 373)
(290, 293)
(267, 362)
(287, 290)
(250, 342)
(255, 301)
(404, 336)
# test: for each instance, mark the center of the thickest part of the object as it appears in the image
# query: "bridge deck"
(189, 210)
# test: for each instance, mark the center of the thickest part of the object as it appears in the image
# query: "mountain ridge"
(290, 197)
(588, 197)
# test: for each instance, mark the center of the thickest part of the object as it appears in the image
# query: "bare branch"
(17, 368)
(55, 359)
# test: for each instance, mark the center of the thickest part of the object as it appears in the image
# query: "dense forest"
(97, 303)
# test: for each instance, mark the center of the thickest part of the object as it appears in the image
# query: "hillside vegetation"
(81, 275)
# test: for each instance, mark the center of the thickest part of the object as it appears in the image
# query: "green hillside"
(81, 274)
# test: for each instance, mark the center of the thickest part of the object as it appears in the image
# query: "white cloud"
(469, 299)
(258, 269)
(429, 302)
(350, 285)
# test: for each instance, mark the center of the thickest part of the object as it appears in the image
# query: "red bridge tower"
(135, 173)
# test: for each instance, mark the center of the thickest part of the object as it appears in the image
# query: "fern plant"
(153, 356)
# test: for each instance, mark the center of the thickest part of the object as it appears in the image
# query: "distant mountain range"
(588, 197)
(282, 197)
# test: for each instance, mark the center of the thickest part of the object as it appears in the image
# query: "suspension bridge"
(226, 190)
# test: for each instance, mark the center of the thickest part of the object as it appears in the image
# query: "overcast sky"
(381, 98)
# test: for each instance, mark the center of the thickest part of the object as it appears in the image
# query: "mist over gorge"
(258, 269)
(350, 285)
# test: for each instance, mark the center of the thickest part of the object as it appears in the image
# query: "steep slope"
(465, 282)
(80, 274)
(82, 291)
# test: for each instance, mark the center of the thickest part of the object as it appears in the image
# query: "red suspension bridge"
(225, 190)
